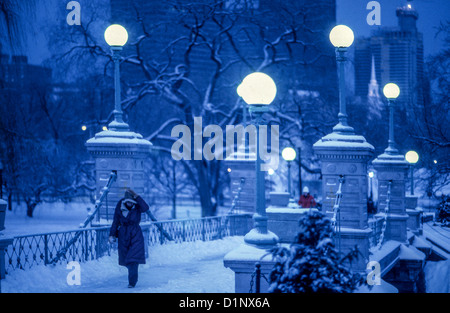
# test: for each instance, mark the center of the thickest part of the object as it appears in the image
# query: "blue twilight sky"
(350, 12)
(353, 13)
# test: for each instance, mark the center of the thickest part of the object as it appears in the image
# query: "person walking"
(307, 200)
(125, 228)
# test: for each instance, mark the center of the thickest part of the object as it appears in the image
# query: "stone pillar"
(4, 240)
(345, 155)
(125, 152)
(242, 165)
(242, 262)
(392, 168)
(414, 215)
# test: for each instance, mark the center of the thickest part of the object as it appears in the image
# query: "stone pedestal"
(414, 215)
(408, 275)
(279, 199)
(125, 152)
(242, 166)
(4, 243)
(4, 240)
(283, 221)
(392, 169)
(345, 156)
(3, 205)
(242, 262)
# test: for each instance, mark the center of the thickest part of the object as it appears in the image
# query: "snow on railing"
(336, 219)
(88, 220)
(386, 211)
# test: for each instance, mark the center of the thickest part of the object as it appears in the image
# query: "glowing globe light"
(270, 171)
(391, 91)
(116, 35)
(83, 128)
(257, 88)
(288, 154)
(412, 157)
(341, 36)
(105, 128)
(229, 170)
(371, 174)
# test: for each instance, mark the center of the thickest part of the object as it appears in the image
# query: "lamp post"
(371, 184)
(391, 92)
(116, 37)
(412, 157)
(258, 90)
(342, 37)
(289, 155)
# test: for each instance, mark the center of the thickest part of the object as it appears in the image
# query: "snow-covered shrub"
(443, 211)
(312, 264)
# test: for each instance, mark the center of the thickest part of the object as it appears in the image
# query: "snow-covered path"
(193, 267)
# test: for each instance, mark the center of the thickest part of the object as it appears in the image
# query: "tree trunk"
(31, 205)
(10, 201)
(205, 190)
(174, 194)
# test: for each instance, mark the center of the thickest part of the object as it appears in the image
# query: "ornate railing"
(385, 216)
(30, 250)
(92, 243)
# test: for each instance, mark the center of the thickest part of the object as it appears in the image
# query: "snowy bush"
(312, 263)
(443, 211)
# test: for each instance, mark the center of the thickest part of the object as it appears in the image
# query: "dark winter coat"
(127, 230)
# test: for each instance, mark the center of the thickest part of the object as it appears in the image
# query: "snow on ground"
(47, 217)
(437, 276)
(191, 267)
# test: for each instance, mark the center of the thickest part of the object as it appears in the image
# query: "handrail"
(386, 211)
(337, 211)
(157, 224)
(238, 195)
(89, 218)
(233, 204)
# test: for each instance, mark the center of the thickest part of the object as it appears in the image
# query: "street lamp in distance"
(412, 157)
(289, 155)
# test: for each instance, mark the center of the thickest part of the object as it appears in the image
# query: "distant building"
(396, 55)
(17, 74)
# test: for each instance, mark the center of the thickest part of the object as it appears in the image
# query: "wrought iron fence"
(31, 250)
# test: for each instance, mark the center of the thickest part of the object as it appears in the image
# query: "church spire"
(373, 85)
(373, 96)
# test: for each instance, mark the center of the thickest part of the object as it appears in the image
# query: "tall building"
(17, 74)
(397, 54)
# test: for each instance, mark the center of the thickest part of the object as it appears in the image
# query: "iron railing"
(92, 243)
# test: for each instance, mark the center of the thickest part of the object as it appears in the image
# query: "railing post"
(161, 234)
(86, 246)
(258, 278)
(45, 249)
(184, 230)
(203, 229)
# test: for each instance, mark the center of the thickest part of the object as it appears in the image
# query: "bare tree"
(193, 70)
